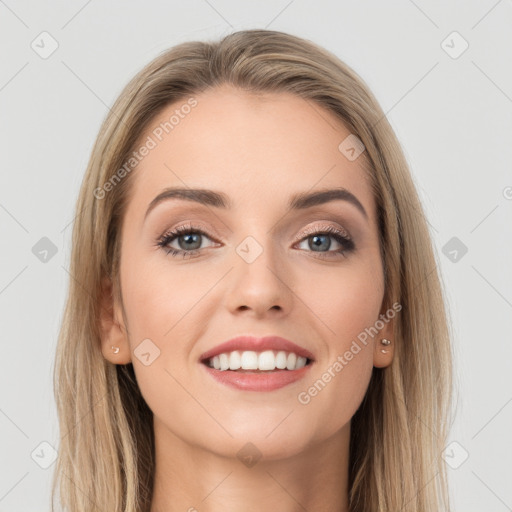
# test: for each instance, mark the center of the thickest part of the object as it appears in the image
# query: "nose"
(261, 286)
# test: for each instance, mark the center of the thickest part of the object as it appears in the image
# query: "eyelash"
(347, 243)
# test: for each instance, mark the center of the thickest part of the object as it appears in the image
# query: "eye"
(319, 240)
(188, 239)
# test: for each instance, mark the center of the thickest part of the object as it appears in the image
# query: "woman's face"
(252, 266)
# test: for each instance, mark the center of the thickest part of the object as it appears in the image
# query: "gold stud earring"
(115, 349)
(385, 342)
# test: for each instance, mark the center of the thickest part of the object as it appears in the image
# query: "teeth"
(224, 361)
(281, 360)
(249, 360)
(235, 361)
(267, 360)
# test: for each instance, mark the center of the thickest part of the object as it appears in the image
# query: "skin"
(258, 150)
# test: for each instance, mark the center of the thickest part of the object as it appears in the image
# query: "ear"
(112, 329)
(383, 354)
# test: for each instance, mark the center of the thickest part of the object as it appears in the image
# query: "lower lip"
(261, 381)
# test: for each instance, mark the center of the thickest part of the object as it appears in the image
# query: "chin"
(265, 440)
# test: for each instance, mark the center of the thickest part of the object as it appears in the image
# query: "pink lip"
(257, 345)
(257, 381)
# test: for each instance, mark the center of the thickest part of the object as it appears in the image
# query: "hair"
(106, 455)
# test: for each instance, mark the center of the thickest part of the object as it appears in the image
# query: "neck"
(191, 478)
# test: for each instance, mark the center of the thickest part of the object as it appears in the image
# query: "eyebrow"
(299, 201)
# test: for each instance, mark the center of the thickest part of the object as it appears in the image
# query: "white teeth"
(290, 363)
(281, 359)
(301, 362)
(235, 361)
(224, 361)
(267, 360)
(249, 360)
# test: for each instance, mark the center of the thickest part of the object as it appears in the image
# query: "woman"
(255, 319)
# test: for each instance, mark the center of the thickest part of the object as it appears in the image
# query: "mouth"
(250, 361)
(251, 371)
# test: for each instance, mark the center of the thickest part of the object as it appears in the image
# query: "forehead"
(256, 148)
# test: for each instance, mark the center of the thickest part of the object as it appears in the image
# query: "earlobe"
(384, 347)
(383, 352)
(114, 341)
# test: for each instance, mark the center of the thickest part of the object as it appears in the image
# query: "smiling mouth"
(248, 361)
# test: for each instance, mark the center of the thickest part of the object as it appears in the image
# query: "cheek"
(158, 300)
(158, 304)
(164, 305)
(346, 305)
(335, 393)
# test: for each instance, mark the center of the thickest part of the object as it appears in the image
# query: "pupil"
(317, 241)
(191, 238)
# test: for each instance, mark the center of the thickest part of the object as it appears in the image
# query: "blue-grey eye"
(320, 242)
(191, 241)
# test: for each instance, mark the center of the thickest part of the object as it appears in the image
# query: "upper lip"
(256, 344)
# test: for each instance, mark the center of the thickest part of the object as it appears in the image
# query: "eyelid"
(192, 226)
(311, 230)
(327, 226)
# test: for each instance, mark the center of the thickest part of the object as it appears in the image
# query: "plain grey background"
(442, 73)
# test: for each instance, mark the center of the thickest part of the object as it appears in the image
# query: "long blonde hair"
(106, 454)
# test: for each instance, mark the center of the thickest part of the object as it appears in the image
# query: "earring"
(385, 342)
(115, 349)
